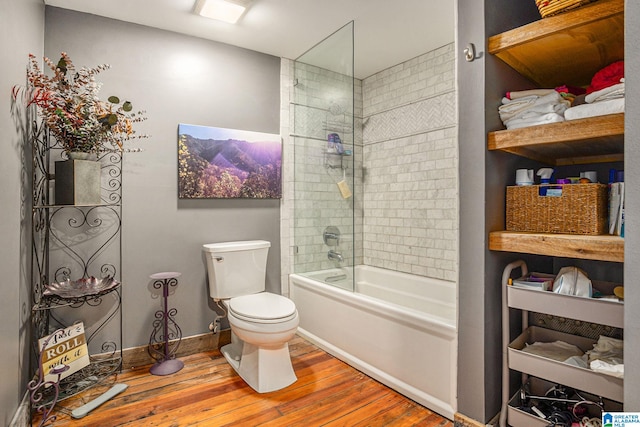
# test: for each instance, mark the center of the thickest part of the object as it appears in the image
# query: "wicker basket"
(581, 209)
(554, 7)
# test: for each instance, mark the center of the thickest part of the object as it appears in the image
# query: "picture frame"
(222, 163)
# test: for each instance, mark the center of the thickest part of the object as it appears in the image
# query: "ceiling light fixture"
(223, 10)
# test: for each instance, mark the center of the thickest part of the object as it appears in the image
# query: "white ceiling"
(387, 32)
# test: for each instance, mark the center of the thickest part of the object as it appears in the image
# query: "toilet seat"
(263, 307)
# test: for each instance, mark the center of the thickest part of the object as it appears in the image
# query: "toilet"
(262, 323)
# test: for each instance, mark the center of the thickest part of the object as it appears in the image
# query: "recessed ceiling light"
(222, 10)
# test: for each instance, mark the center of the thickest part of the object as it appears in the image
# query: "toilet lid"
(262, 306)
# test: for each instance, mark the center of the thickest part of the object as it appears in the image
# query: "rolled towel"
(600, 108)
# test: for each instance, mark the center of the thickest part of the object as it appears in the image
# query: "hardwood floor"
(207, 392)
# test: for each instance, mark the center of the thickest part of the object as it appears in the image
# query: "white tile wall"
(411, 167)
(417, 79)
(406, 168)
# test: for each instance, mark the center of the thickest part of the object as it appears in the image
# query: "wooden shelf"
(590, 140)
(603, 248)
(565, 49)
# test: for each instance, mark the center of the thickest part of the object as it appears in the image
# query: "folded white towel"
(513, 103)
(611, 92)
(517, 94)
(534, 120)
(536, 110)
(531, 115)
(551, 103)
(600, 108)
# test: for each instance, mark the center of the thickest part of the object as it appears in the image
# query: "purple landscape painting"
(219, 163)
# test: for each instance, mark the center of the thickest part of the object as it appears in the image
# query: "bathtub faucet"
(333, 255)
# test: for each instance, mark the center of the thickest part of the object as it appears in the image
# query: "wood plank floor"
(207, 392)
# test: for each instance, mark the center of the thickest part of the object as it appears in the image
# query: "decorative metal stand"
(36, 389)
(165, 329)
(75, 264)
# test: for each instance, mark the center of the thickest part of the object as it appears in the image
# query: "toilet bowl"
(261, 322)
(259, 349)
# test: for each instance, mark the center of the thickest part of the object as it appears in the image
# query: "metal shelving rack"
(533, 368)
(76, 242)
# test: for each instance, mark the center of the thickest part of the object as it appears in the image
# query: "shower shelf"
(315, 138)
(330, 160)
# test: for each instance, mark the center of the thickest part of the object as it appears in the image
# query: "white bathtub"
(397, 328)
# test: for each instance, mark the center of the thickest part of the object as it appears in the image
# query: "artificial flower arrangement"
(69, 105)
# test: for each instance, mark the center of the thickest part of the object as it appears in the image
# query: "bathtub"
(397, 328)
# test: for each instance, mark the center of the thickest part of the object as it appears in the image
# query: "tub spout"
(333, 255)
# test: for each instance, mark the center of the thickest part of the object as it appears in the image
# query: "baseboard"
(460, 420)
(135, 357)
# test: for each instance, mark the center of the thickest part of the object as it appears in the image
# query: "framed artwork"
(219, 163)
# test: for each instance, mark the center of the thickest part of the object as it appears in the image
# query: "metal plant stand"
(165, 329)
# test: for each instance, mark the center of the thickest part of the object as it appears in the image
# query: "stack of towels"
(533, 107)
(605, 95)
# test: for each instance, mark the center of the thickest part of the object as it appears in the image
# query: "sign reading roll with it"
(65, 347)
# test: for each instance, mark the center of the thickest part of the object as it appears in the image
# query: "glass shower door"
(323, 134)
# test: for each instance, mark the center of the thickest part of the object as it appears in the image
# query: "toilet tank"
(236, 268)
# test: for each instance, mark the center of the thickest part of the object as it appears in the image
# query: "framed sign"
(64, 347)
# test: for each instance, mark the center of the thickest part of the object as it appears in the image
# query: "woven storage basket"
(554, 7)
(581, 209)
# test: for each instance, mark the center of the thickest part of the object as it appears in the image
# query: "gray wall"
(632, 208)
(471, 372)
(21, 32)
(483, 176)
(176, 79)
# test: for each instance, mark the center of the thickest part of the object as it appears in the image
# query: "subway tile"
(410, 154)
(411, 160)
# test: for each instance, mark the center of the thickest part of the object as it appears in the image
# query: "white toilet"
(261, 323)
